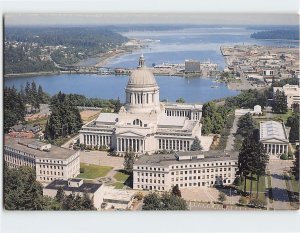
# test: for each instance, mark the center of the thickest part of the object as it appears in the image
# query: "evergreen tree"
(152, 202)
(295, 168)
(117, 106)
(245, 125)
(176, 191)
(14, 108)
(64, 119)
(196, 145)
(87, 203)
(60, 194)
(293, 122)
(129, 160)
(207, 126)
(279, 103)
(40, 95)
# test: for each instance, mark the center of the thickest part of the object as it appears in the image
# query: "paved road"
(207, 206)
(230, 140)
(279, 189)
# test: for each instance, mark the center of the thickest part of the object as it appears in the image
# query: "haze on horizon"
(60, 19)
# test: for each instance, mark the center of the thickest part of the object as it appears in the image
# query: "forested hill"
(33, 49)
(283, 34)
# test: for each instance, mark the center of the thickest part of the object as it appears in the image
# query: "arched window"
(138, 122)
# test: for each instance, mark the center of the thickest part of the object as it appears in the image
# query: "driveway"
(279, 189)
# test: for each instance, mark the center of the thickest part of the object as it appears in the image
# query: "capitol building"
(144, 124)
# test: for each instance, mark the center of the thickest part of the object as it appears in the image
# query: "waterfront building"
(50, 162)
(292, 93)
(144, 125)
(274, 138)
(192, 66)
(161, 172)
(76, 187)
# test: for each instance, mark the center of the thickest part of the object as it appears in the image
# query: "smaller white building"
(77, 187)
(118, 198)
(274, 138)
(244, 111)
(50, 162)
(292, 93)
(189, 169)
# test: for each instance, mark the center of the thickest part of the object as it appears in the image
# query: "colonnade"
(140, 98)
(127, 144)
(174, 144)
(275, 149)
(101, 140)
(192, 115)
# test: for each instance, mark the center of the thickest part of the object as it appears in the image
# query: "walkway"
(230, 140)
(279, 189)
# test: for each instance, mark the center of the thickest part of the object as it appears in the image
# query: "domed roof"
(142, 76)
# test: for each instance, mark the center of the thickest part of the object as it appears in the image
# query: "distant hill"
(282, 34)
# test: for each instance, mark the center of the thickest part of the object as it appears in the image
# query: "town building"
(243, 111)
(292, 93)
(144, 125)
(161, 172)
(76, 187)
(192, 66)
(50, 162)
(274, 138)
(26, 131)
(118, 199)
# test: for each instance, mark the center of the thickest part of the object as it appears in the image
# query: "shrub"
(243, 200)
(258, 202)
(238, 181)
(139, 196)
(284, 157)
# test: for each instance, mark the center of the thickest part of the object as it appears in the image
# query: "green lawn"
(119, 185)
(282, 117)
(121, 176)
(92, 171)
(261, 185)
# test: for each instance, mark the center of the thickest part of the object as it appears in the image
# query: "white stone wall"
(185, 175)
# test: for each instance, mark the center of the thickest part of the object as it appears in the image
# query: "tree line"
(14, 107)
(21, 191)
(283, 34)
(64, 120)
(25, 59)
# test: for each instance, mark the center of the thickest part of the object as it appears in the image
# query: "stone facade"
(186, 169)
(292, 93)
(274, 138)
(144, 125)
(50, 162)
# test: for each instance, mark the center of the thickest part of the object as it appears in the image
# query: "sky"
(149, 18)
(69, 12)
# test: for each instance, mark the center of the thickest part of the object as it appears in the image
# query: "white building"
(243, 111)
(144, 124)
(50, 162)
(274, 138)
(161, 172)
(192, 66)
(292, 93)
(77, 187)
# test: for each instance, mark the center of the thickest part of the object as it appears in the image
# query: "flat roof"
(107, 117)
(54, 153)
(170, 159)
(171, 121)
(272, 129)
(85, 187)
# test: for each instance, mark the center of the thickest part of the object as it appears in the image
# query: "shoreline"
(41, 73)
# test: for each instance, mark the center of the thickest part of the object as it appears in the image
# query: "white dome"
(141, 77)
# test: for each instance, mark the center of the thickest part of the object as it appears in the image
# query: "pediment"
(274, 140)
(130, 134)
